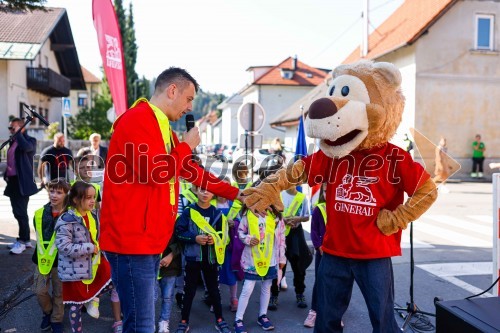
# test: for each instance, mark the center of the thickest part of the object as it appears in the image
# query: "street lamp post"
(135, 88)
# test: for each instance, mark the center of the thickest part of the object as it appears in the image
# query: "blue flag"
(301, 147)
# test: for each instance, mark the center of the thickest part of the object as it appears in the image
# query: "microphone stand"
(411, 308)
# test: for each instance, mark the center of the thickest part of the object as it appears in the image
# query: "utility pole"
(364, 32)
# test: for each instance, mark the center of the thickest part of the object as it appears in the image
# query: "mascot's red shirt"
(359, 186)
(137, 216)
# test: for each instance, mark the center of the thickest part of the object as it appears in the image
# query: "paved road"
(453, 255)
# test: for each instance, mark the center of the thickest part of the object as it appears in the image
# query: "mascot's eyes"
(332, 89)
(345, 91)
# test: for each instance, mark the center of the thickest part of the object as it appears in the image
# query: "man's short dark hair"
(175, 75)
(16, 120)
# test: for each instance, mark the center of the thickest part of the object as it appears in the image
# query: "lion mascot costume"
(367, 178)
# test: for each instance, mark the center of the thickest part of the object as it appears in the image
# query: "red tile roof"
(403, 27)
(88, 77)
(28, 27)
(300, 77)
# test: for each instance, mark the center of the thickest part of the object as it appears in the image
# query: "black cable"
(419, 322)
(381, 5)
(485, 290)
(9, 307)
(338, 37)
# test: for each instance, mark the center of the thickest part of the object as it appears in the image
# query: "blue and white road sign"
(66, 107)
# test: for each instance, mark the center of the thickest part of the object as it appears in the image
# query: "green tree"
(23, 5)
(92, 120)
(204, 102)
(135, 87)
(52, 129)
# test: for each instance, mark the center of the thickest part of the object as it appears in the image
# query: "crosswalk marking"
(449, 236)
(482, 218)
(450, 271)
(459, 223)
(417, 244)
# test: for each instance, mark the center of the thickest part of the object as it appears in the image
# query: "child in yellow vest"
(203, 231)
(45, 257)
(227, 275)
(263, 255)
(296, 211)
(82, 267)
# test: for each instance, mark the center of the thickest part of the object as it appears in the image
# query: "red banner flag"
(110, 45)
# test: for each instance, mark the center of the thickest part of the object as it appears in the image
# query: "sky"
(217, 40)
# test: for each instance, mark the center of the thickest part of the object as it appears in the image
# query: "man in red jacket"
(141, 189)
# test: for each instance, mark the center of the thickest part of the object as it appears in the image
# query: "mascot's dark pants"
(335, 280)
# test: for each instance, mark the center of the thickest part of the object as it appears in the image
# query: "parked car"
(229, 151)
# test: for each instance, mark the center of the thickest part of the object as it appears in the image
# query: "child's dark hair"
(77, 193)
(59, 184)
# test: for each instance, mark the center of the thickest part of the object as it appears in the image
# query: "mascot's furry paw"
(388, 223)
(258, 199)
(267, 193)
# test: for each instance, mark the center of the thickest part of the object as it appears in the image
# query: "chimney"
(364, 32)
(294, 63)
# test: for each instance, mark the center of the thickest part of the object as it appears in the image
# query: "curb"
(13, 292)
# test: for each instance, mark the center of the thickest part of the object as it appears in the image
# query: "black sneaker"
(179, 297)
(273, 303)
(222, 326)
(301, 301)
(45, 325)
(182, 328)
(57, 327)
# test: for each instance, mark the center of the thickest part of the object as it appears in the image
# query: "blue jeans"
(334, 283)
(314, 299)
(134, 277)
(167, 286)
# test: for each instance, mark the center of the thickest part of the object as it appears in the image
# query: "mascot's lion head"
(362, 110)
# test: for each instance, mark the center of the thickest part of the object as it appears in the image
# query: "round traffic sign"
(251, 117)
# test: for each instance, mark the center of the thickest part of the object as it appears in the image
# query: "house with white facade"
(38, 65)
(229, 119)
(448, 54)
(275, 88)
(84, 98)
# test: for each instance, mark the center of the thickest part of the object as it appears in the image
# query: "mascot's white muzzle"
(340, 124)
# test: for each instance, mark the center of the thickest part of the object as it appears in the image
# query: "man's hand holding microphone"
(192, 134)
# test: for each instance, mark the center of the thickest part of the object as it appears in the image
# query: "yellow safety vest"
(262, 253)
(293, 208)
(168, 139)
(46, 250)
(237, 205)
(221, 238)
(322, 209)
(184, 185)
(189, 195)
(96, 258)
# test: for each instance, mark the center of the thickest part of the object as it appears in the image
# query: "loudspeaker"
(468, 315)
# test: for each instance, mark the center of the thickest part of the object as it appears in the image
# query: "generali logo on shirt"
(354, 196)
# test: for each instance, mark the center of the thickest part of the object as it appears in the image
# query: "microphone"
(36, 115)
(189, 122)
(189, 125)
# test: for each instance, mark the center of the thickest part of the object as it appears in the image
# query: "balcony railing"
(48, 82)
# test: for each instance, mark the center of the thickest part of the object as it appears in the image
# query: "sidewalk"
(16, 271)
